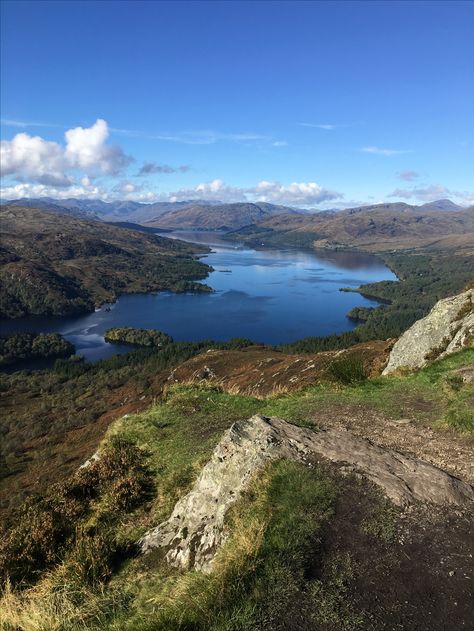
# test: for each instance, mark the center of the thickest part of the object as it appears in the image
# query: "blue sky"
(319, 104)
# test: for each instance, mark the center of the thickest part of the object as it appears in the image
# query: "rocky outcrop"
(448, 328)
(192, 535)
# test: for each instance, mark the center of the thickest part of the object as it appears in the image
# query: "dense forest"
(19, 346)
(137, 337)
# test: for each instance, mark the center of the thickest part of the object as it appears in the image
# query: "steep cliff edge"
(448, 328)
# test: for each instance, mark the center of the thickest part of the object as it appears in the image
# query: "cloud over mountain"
(433, 192)
(296, 193)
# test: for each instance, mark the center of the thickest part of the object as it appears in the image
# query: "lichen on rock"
(448, 328)
(196, 529)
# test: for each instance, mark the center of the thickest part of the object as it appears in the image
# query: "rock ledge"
(195, 530)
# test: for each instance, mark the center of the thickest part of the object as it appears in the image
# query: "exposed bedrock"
(192, 535)
(448, 328)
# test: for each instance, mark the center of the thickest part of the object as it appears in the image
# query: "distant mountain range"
(383, 227)
(207, 215)
(219, 217)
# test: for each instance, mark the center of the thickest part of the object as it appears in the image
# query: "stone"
(448, 328)
(195, 530)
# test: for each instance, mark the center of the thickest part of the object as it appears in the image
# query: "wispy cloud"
(198, 137)
(149, 168)
(8, 122)
(188, 137)
(330, 126)
(379, 151)
(325, 126)
(408, 176)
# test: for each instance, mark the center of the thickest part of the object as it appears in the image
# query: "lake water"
(270, 296)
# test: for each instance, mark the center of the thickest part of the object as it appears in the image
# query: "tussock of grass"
(348, 369)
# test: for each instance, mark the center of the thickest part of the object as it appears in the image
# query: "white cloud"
(29, 190)
(296, 193)
(127, 187)
(85, 190)
(384, 152)
(216, 190)
(86, 149)
(35, 158)
(280, 143)
(433, 192)
(48, 163)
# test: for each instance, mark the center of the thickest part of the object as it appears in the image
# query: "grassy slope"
(271, 561)
(61, 264)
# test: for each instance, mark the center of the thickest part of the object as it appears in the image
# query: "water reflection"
(272, 296)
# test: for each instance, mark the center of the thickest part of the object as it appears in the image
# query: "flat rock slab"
(195, 530)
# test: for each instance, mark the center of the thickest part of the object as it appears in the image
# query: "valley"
(98, 453)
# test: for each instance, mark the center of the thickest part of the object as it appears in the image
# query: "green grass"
(259, 571)
(180, 434)
(427, 396)
(275, 528)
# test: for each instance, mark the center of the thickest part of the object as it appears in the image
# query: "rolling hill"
(219, 216)
(52, 267)
(376, 228)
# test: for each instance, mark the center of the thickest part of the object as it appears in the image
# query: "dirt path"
(444, 448)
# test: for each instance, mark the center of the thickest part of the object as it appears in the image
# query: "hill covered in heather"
(56, 264)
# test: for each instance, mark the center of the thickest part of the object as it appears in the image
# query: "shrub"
(92, 558)
(35, 542)
(348, 368)
(45, 527)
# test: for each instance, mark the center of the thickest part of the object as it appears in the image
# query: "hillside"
(59, 265)
(373, 228)
(114, 211)
(62, 207)
(327, 507)
(218, 217)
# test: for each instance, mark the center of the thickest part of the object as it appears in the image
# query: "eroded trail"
(443, 448)
(195, 531)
